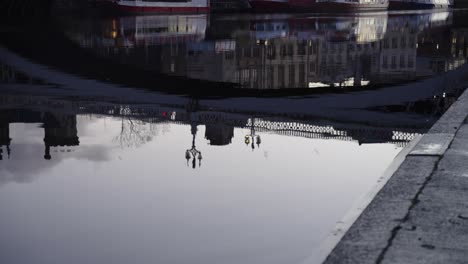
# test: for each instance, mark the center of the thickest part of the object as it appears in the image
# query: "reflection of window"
(290, 49)
(281, 76)
(229, 55)
(283, 51)
(412, 42)
(402, 61)
(253, 74)
(386, 44)
(385, 62)
(245, 76)
(247, 52)
(239, 53)
(271, 52)
(312, 67)
(301, 48)
(271, 74)
(256, 52)
(312, 48)
(292, 74)
(410, 61)
(393, 65)
(301, 74)
(394, 43)
(403, 42)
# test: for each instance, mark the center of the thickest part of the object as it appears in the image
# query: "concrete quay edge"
(380, 232)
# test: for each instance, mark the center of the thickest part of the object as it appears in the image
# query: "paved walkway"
(421, 214)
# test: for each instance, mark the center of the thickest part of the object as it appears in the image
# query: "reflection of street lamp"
(252, 138)
(193, 153)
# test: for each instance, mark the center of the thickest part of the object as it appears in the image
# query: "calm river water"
(220, 139)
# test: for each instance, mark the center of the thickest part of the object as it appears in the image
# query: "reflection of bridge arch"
(59, 128)
(354, 107)
(215, 120)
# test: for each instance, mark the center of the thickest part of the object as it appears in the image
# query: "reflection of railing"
(329, 132)
(281, 127)
(154, 114)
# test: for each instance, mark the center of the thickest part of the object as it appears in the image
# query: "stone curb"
(372, 234)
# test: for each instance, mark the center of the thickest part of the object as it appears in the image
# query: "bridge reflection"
(59, 121)
(59, 128)
(309, 52)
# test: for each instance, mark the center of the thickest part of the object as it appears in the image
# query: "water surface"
(209, 139)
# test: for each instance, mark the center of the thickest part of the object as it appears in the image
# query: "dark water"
(209, 139)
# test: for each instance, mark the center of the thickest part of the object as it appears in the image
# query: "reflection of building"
(442, 49)
(282, 52)
(313, 52)
(218, 134)
(397, 56)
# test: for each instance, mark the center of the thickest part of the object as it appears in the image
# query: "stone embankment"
(421, 213)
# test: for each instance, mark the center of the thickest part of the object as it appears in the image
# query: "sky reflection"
(107, 202)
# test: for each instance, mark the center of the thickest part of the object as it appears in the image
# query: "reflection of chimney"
(219, 135)
(60, 130)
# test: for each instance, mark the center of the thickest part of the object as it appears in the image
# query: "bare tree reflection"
(134, 133)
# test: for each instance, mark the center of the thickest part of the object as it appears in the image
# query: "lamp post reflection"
(251, 138)
(193, 153)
